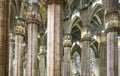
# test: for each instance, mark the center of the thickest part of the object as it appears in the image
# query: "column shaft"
(85, 58)
(11, 53)
(19, 48)
(112, 28)
(54, 39)
(103, 56)
(4, 55)
(32, 29)
(32, 49)
(67, 58)
(42, 65)
(112, 54)
(67, 54)
(18, 55)
(11, 48)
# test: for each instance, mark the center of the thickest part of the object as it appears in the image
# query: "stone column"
(112, 27)
(42, 60)
(118, 56)
(4, 38)
(97, 67)
(19, 47)
(54, 37)
(103, 55)
(11, 53)
(67, 54)
(32, 30)
(85, 53)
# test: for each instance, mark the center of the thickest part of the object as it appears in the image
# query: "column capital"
(112, 21)
(19, 27)
(67, 40)
(32, 15)
(86, 39)
(85, 34)
(55, 2)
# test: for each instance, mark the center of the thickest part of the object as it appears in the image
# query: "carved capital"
(33, 21)
(19, 27)
(32, 14)
(112, 20)
(86, 39)
(55, 2)
(113, 29)
(85, 33)
(67, 40)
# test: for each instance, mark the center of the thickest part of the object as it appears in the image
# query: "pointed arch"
(76, 48)
(76, 21)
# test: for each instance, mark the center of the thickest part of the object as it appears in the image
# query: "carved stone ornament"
(112, 20)
(85, 33)
(32, 11)
(33, 15)
(19, 27)
(67, 40)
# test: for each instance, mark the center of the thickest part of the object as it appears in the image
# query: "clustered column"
(32, 31)
(54, 37)
(4, 38)
(11, 53)
(67, 54)
(19, 31)
(112, 27)
(85, 54)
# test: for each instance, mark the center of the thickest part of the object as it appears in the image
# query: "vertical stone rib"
(54, 39)
(3, 38)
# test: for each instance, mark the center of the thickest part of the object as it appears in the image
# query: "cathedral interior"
(59, 37)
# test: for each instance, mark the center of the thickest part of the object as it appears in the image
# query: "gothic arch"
(97, 15)
(75, 48)
(76, 21)
(94, 45)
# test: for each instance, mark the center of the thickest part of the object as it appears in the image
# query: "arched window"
(76, 34)
(76, 63)
(92, 61)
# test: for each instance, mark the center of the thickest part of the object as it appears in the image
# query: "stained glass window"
(92, 61)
